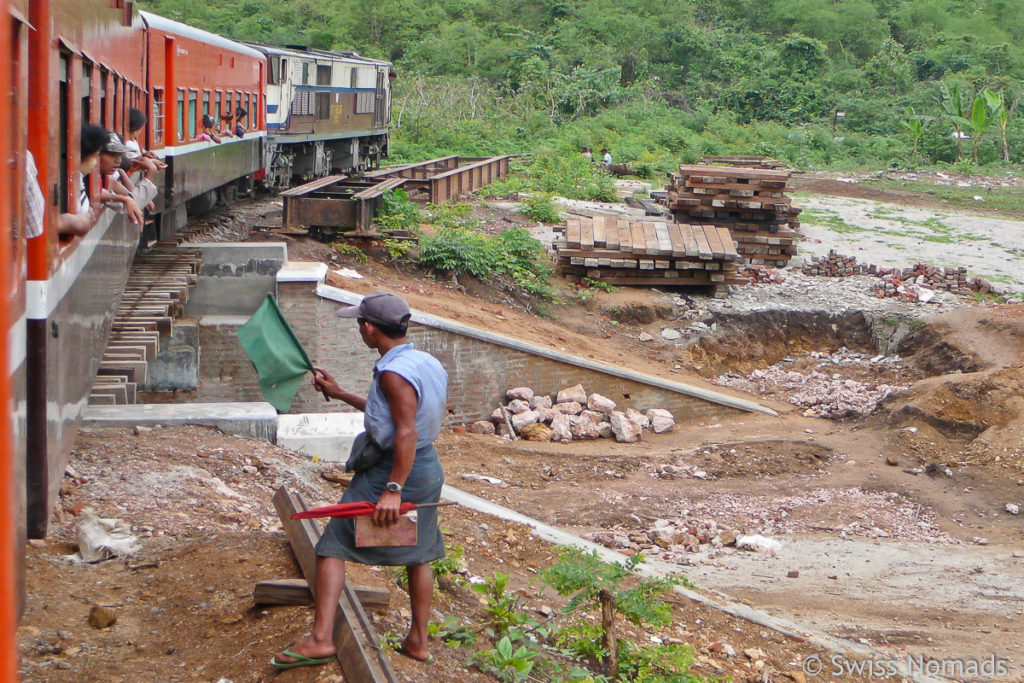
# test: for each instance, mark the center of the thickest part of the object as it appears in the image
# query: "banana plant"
(1000, 114)
(914, 125)
(978, 122)
(954, 110)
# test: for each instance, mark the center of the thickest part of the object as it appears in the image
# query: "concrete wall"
(480, 371)
(234, 279)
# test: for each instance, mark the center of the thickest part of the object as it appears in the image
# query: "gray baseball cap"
(115, 146)
(382, 308)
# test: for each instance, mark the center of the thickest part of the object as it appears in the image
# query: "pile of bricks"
(895, 281)
(760, 275)
(837, 265)
(750, 202)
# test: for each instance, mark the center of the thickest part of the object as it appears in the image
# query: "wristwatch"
(394, 487)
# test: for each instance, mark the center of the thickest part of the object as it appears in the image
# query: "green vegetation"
(1010, 199)
(539, 208)
(571, 644)
(816, 83)
(830, 219)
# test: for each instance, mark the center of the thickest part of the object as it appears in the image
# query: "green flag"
(276, 353)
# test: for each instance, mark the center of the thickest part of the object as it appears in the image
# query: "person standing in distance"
(403, 412)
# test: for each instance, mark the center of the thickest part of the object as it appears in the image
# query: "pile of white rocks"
(824, 395)
(572, 414)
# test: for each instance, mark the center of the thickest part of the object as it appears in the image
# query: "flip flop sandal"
(300, 660)
(405, 653)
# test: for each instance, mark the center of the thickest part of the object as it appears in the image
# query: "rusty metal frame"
(350, 203)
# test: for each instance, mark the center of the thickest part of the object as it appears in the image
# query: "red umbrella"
(359, 509)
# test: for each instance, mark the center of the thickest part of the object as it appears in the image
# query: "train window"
(86, 91)
(216, 105)
(206, 102)
(284, 70)
(158, 116)
(192, 103)
(353, 78)
(118, 119)
(181, 114)
(104, 116)
(323, 105)
(62, 127)
(305, 73)
(323, 74)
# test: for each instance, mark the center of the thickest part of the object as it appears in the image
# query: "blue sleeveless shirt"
(427, 377)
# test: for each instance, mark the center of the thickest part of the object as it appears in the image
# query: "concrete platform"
(256, 420)
(326, 436)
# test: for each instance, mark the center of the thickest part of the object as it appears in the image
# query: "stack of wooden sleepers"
(744, 161)
(750, 202)
(155, 294)
(625, 251)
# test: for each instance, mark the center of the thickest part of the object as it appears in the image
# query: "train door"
(380, 103)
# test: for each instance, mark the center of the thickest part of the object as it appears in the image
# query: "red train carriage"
(192, 73)
(86, 65)
(14, 32)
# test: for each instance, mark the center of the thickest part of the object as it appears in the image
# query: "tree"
(996, 102)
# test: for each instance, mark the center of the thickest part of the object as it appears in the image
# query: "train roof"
(317, 54)
(197, 34)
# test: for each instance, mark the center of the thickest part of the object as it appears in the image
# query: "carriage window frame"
(180, 113)
(193, 110)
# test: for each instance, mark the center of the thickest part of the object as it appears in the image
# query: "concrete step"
(255, 420)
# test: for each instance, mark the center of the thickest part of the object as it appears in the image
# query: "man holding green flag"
(395, 462)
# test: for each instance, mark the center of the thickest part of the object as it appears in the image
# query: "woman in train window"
(240, 115)
(209, 133)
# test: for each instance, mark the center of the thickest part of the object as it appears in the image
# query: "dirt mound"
(760, 458)
(987, 404)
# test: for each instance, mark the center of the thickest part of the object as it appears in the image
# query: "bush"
(539, 208)
(514, 252)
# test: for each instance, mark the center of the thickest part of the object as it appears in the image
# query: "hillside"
(659, 81)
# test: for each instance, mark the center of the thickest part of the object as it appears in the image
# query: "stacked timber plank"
(750, 202)
(744, 161)
(154, 295)
(624, 251)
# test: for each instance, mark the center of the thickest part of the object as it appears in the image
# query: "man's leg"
(330, 579)
(421, 589)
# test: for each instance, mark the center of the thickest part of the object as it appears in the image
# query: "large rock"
(497, 417)
(568, 407)
(601, 404)
(583, 428)
(639, 418)
(661, 420)
(537, 431)
(569, 394)
(518, 406)
(481, 427)
(520, 393)
(604, 430)
(547, 414)
(541, 401)
(593, 415)
(522, 419)
(624, 429)
(561, 429)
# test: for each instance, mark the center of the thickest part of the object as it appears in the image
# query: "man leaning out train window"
(117, 189)
(83, 212)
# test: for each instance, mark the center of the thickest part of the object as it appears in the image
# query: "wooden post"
(608, 641)
(508, 422)
(358, 648)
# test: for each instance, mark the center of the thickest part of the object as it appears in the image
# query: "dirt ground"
(893, 530)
